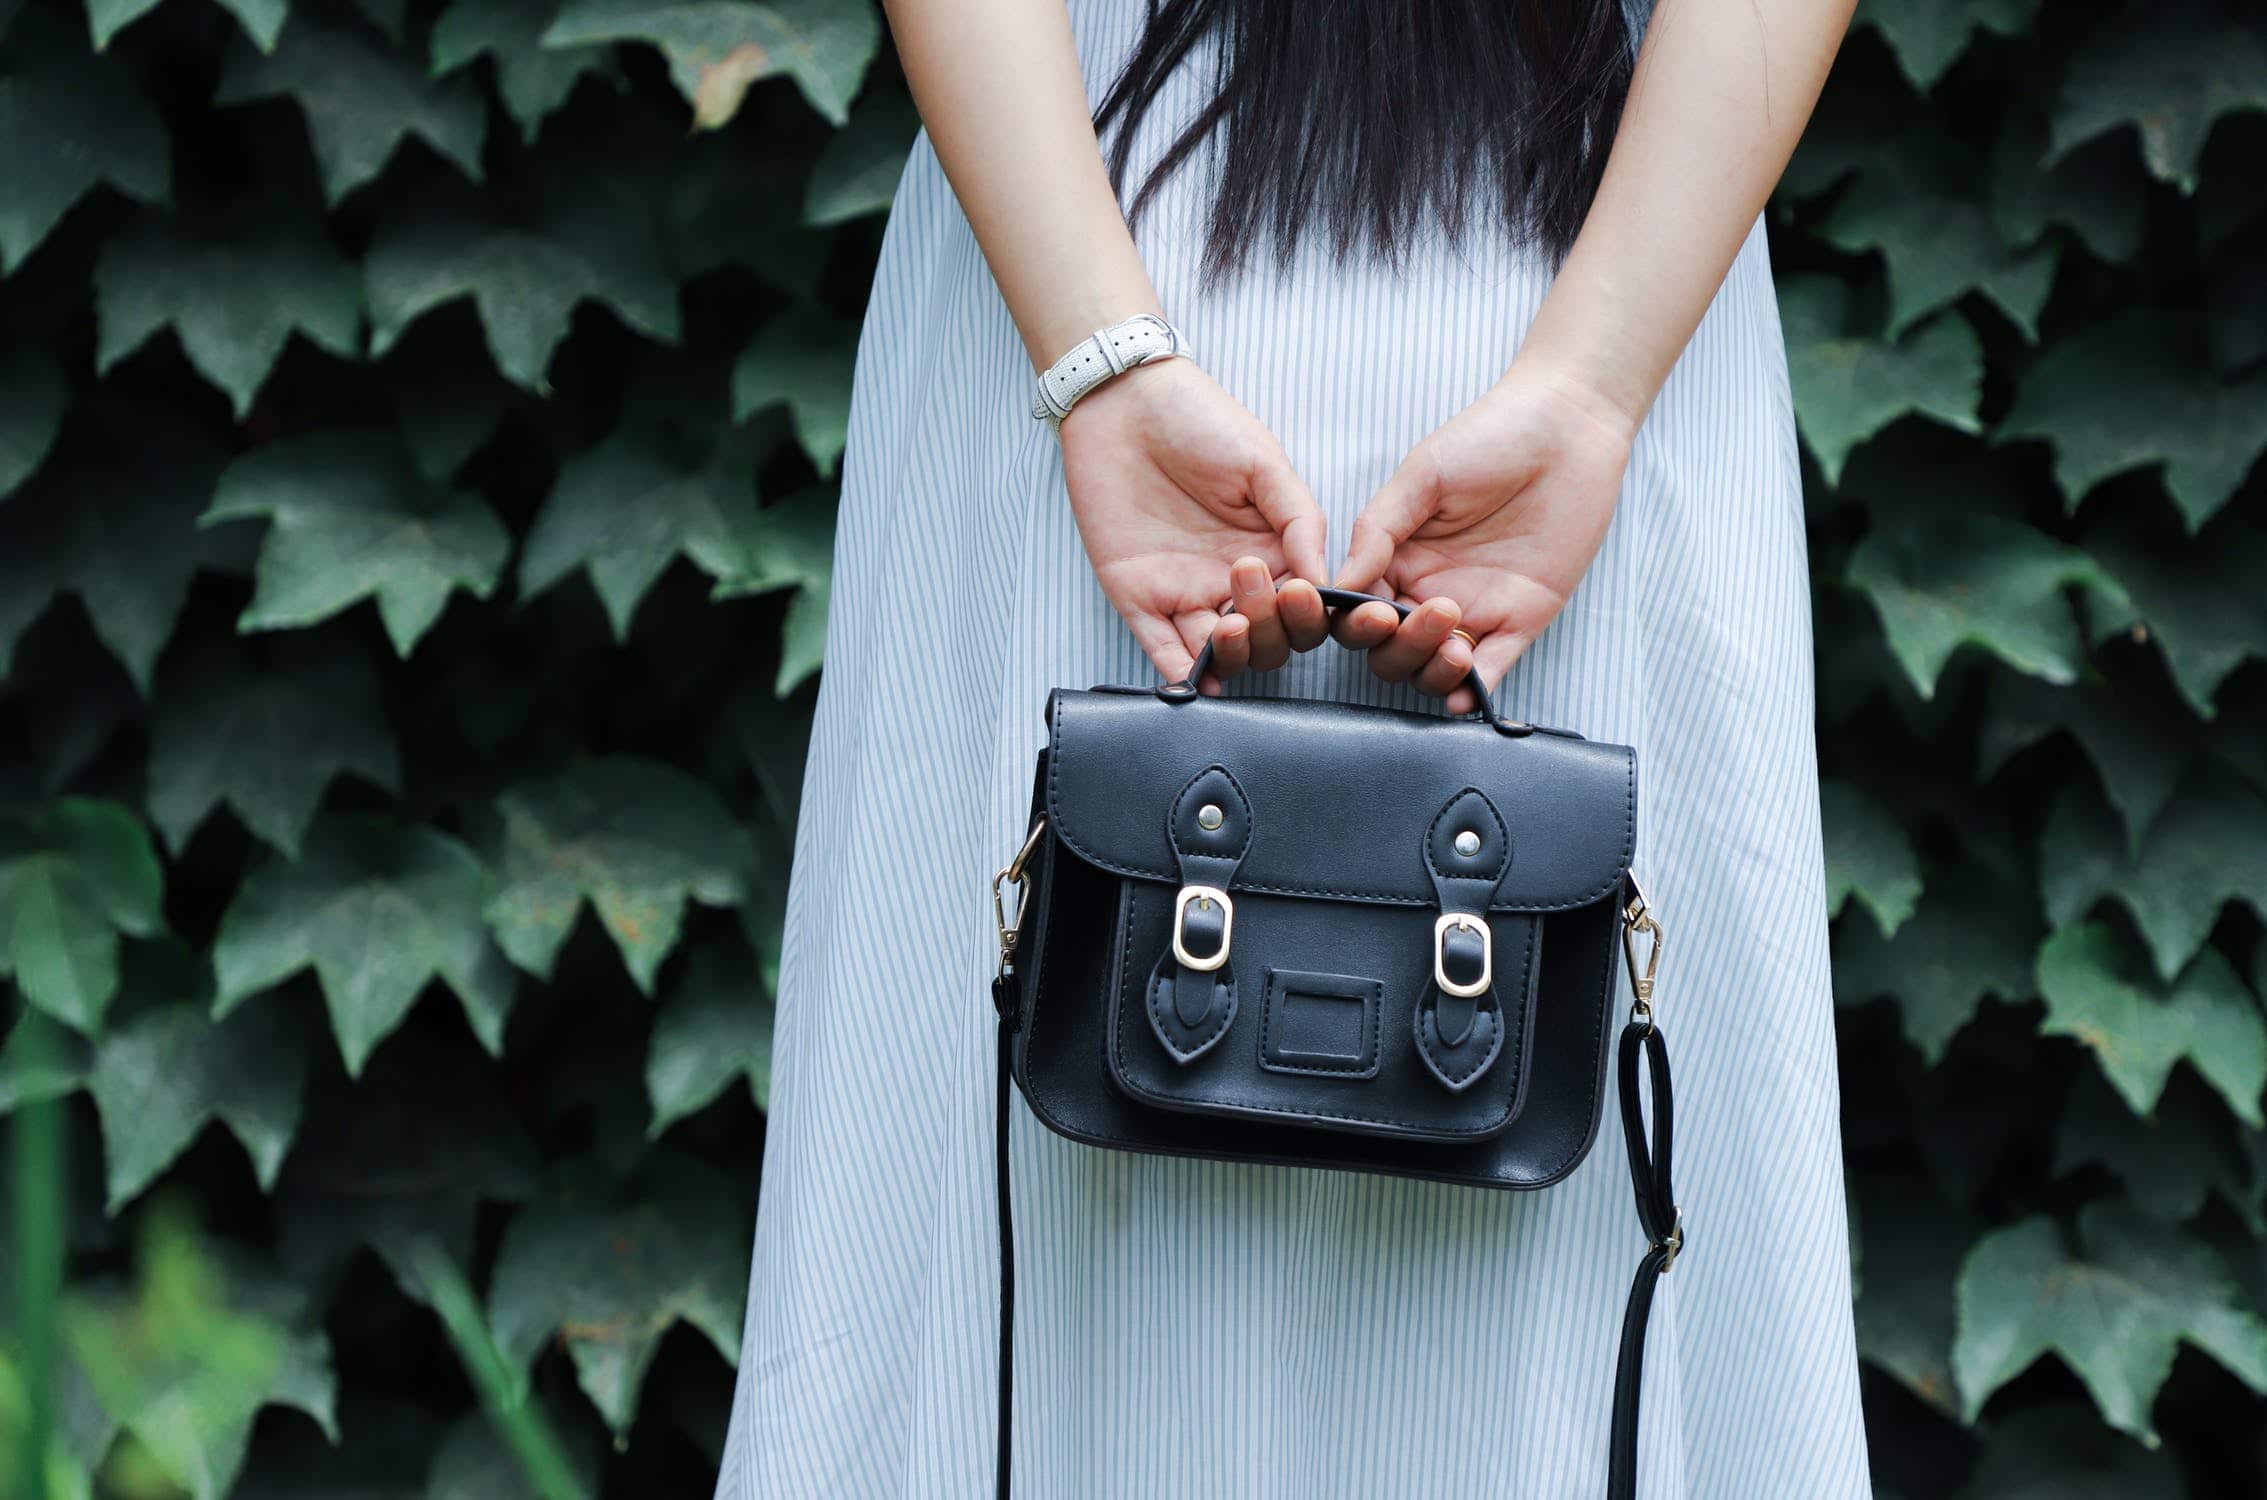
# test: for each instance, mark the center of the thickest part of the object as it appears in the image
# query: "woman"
(1353, 213)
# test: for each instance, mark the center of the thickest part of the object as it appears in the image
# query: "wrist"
(1615, 407)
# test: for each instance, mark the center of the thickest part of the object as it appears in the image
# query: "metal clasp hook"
(1637, 921)
(1011, 928)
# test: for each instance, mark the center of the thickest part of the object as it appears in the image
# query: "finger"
(1444, 674)
(1231, 651)
(1283, 498)
(1162, 642)
(1365, 625)
(1394, 512)
(1298, 604)
(1193, 629)
(1417, 641)
(1497, 654)
(1256, 603)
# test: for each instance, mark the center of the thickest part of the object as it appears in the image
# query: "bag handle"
(1344, 599)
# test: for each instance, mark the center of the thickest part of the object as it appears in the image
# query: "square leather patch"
(1320, 1024)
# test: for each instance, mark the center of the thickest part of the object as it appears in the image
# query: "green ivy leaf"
(143, 475)
(75, 875)
(2201, 604)
(1928, 36)
(2136, 392)
(69, 122)
(535, 81)
(857, 171)
(1913, 1243)
(2169, 72)
(1848, 388)
(2121, 726)
(361, 99)
(2169, 1164)
(714, 1026)
(401, 1160)
(792, 546)
(378, 910)
(2207, 848)
(2115, 1313)
(166, 1072)
(635, 838)
(623, 510)
(2098, 992)
(32, 396)
(187, 1359)
(351, 518)
(523, 282)
(233, 306)
(264, 737)
(1944, 580)
(717, 48)
(1967, 939)
(261, 19)
(608, 1275)
(1867, 856)
(42, 1060)
(1917, 204)
(803, 359)
(2098, 191)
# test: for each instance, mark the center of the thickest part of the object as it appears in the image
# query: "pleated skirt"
(1197, 1329)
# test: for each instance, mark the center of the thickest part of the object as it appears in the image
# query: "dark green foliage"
(418, 425)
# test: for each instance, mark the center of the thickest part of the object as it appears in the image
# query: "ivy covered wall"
(418, 424)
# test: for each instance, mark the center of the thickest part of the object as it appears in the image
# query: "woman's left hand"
(1487, 525)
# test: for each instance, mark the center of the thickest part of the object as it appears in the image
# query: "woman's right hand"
(1184, 500)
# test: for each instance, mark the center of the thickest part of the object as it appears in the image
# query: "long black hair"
(1365, 120)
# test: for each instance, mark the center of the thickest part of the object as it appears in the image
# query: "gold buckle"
(1447, 986)
(1637, 921)
(1181, 903)
(1011, 928)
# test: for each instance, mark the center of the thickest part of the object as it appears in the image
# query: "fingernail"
(1250, 584)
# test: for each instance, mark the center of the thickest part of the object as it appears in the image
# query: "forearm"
(1722, 91)
(999, 89)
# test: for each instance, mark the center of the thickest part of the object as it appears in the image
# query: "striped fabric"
(1195, 1329)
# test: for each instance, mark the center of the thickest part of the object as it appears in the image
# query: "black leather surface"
(1340, 796)
(1390, 946)
(1062, 999)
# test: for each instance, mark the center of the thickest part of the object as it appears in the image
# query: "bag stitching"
(1376, 991)
(1117, 1045)
(1060, 747)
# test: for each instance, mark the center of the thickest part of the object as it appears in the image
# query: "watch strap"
(1105, 354)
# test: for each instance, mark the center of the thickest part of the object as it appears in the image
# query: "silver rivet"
(1209, 817)
(1468, 843)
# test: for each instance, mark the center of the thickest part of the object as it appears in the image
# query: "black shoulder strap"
(1656, 1211)
(1000, 1092)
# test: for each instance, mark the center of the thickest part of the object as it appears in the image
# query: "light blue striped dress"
(1192, 1329)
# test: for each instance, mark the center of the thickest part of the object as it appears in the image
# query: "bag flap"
(1341, 796)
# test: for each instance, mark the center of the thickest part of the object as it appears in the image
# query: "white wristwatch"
(1110, 351)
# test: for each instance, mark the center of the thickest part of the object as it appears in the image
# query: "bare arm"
(1494, 518)
(1173, 483)
(1722, 92)
(999, 89)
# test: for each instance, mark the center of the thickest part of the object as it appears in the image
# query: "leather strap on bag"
(1648, 1169)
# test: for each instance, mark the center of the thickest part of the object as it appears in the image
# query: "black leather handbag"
(1331, 936)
